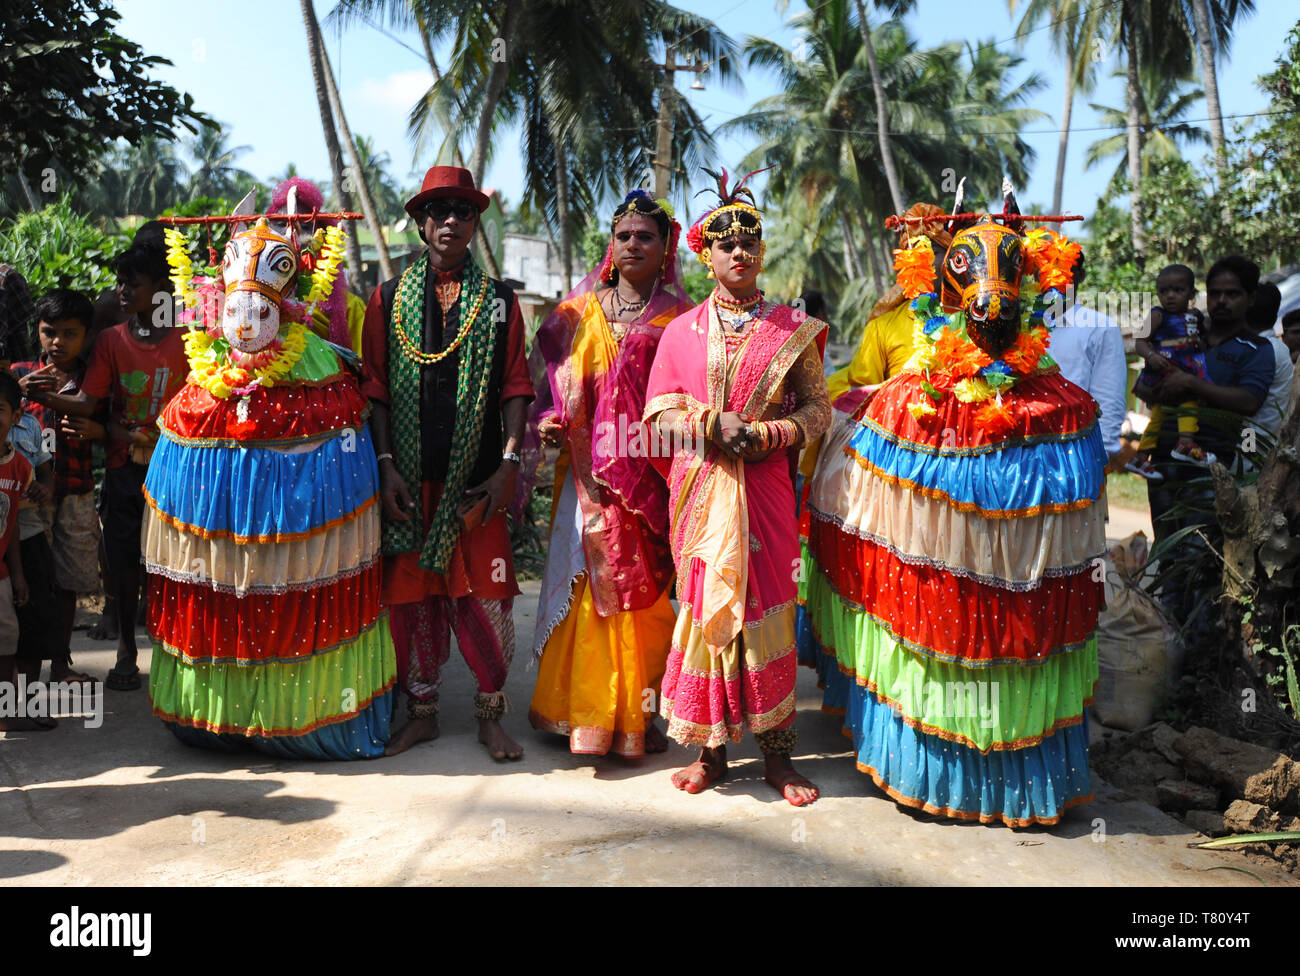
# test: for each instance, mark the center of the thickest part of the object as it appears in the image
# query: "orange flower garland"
(994, 418)
(915, 267)
(1051, 258)
(1030, 346)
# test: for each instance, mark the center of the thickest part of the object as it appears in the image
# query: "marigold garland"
(950, 361)
(915, 267)
(214, 364)
(1051, 258)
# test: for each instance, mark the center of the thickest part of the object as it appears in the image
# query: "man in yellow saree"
(604, 619)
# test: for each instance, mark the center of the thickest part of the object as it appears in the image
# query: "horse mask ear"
(1010, 208)
(244, 208)
(959, 224)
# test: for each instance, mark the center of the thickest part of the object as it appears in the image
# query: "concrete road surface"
(128, 804)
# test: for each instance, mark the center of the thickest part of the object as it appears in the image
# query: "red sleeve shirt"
(515, 380)
(140, 378)
(15, 476)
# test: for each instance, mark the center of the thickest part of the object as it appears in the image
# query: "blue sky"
(245, 63)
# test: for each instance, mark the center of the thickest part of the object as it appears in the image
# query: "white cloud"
(396, 91)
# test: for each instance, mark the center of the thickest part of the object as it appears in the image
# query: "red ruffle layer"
(954, 618)
(1043, 407)
(217, 627)
(278, 413)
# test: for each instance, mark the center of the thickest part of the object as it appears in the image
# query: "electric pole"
(663, 163)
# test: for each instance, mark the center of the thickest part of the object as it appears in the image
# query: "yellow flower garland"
(327, 268)
(182, 268)
(221, 378)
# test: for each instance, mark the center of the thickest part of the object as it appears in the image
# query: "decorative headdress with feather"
(714, 224)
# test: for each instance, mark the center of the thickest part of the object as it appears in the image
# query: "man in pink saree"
(735, 391)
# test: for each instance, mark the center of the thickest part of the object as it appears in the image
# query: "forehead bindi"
(637, 224)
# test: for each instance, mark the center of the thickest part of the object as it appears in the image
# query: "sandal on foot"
(123, 680)
(1144, 469)
(1195, 454)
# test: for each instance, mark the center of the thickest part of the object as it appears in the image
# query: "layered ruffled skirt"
(952, 598)
(261, 540)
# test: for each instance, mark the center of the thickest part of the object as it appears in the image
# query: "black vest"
(438, 382)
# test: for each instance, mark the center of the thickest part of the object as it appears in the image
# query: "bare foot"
(699, 775)
(797, 790)
(499, 745)
(415, 731)
(65, 673)
(655, 740)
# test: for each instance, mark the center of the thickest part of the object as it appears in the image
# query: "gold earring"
(711, 272)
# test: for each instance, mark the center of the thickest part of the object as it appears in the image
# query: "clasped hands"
(731, 432)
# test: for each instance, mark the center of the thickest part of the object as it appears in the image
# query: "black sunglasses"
(439, 209)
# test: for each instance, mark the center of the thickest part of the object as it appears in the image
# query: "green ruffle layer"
(317, 362)
(1000, 707)
(279, 698)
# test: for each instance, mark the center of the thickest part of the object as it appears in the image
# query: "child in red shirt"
(141, 365)
(15, 478)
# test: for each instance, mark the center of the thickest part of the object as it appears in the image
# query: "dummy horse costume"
(954, 529)
(261, 534)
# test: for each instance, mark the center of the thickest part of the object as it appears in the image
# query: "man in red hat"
(444, 367)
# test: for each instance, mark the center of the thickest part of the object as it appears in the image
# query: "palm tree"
(215, 173)
(1076, 37)
(315, 50)
(1211, 27)
(576, 81)
(896, 9)
(1165, 104)
(358, 173)
(951, 108)
(157, 176)
(388, 199)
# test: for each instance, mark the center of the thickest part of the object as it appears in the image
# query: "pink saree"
(732, 529)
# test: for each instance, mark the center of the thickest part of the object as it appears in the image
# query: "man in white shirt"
(1089, 347)
(1262, 315)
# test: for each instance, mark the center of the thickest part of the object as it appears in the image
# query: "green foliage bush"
(59, 248)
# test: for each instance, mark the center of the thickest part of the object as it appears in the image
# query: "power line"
(1016, 132)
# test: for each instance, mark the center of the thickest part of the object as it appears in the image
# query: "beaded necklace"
(469, 310)
(737, 314)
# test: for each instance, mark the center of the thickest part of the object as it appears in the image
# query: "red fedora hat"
(446, 181)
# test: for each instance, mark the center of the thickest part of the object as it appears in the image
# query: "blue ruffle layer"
(1028, 785)
(1051, 473)
(364, 736)
(259, 492)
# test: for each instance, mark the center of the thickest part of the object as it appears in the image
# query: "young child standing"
(15, 479)
(1174, 343)
(139, 366)
(64, 320)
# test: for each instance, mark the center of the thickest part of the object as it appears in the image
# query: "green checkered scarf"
(472, 385)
